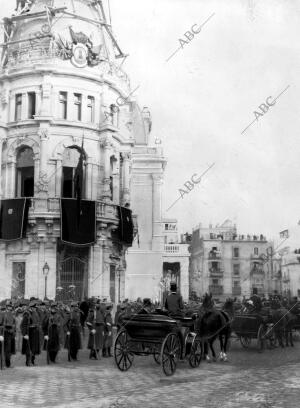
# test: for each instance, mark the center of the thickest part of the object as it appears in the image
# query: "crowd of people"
(30, 326)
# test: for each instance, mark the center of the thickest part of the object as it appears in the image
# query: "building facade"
(151, 268)
(290, 266)
(64, 101)
(227, 264)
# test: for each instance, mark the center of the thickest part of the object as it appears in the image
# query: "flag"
(85, 233)
(125, 229)
(12, 218)
(78, 184)
(284, 234)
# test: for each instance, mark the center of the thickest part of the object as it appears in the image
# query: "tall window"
(70, 161)
(77, 103)
(63, 105)
(25, 173)
(255, 251)
(91, 108)
(236, 252)
(236, 269)
(31, 105)
(18, 107)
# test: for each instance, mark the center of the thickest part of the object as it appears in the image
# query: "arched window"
(70, 162)
(25, 172)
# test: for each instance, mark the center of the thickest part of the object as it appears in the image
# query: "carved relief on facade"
(42, 184)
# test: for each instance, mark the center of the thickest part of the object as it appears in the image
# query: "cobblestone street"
(249, 379)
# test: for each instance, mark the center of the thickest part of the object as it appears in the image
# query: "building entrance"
(72, 282)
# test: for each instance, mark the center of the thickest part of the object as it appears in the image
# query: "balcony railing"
(236, 290)
(176, 249)
(214, 255)
(215, 272)
(215, 289)
(51, 206)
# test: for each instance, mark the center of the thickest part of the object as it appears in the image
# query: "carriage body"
(249, 326)
(167, 338)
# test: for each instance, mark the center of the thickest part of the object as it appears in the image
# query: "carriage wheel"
(261, 338)
(122, 353)
(245, 341)
(170, 353)
(196, 353)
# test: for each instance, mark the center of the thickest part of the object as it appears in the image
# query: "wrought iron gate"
(72, 280)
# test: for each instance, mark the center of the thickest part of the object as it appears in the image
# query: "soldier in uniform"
(7, 333)
(107, 332)
(174, 303)
(95, 322)
(51, 329)
(73, 331)
(31, 335)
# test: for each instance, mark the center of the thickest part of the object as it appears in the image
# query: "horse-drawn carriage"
(252, 326)
(168, 339)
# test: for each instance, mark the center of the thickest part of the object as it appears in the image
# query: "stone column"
(24, 106)
(126, 159)
(157, 241)
(42, 182)
(58, 177)
(11, 179)
(46, 108)
(88, 179)
(106, 145)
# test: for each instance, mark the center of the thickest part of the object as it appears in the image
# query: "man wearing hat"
(107, 332)
(73, 331)
(51, 329)
(30, 328)
(95, 323)
(7, 333)
(174, 303)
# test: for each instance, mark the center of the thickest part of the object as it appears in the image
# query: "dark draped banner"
(78, 228)
(13, 218)
(125, 230)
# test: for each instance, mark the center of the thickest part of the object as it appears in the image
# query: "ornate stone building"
(64, 100)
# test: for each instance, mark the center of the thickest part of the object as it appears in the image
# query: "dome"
(74, 31)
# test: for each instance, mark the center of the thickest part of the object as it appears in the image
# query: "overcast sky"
(205, 96)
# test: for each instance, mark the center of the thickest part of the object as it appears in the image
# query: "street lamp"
(46, 269)
(118, 270)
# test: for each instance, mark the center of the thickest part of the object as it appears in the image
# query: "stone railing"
(236, 290)
(215, 289)
(176, 249)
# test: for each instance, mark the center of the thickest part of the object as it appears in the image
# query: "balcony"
(51, 207)
(215, 289)
(215, 272)
(214, 255)
(254, 256)
(236, 290)
(176, 249)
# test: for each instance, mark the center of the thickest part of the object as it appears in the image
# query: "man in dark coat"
(95, 323)
(84, 307)
(107, 332)
(7, 333)
(51, 329)
(174, 303)
(73, 331)
(30, 328)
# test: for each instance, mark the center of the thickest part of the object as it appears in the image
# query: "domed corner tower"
(66, 138)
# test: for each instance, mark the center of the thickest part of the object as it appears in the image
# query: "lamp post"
(46, 269)
(118, 270)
